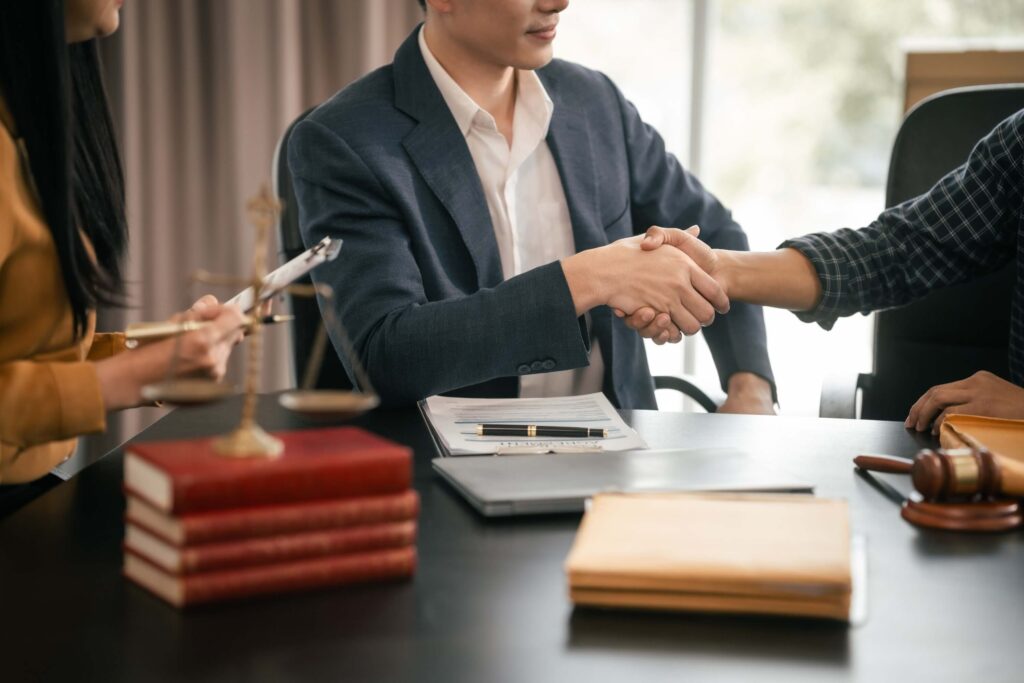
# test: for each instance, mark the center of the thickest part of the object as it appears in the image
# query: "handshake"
(665, 284)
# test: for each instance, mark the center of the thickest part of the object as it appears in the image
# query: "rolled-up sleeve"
(963, 227)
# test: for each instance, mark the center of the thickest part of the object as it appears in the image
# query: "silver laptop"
(505, 485)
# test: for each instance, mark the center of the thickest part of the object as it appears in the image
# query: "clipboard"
(275, 282)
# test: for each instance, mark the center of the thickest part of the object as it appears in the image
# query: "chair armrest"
(707, 398)
(839, 394)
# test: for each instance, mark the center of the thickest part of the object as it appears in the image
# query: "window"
(801, 105)
(637, 44)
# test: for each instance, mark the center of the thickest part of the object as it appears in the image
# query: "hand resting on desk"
(980, 394)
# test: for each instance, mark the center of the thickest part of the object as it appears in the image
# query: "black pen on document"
(541, 430)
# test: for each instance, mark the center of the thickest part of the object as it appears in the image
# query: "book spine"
(296, 546)
(346, 478)
(234, 584)
(274, 520)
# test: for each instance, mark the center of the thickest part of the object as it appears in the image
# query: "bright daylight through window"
(801, 104)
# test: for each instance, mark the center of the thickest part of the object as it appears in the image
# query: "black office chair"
(951, 333)
(307, 314)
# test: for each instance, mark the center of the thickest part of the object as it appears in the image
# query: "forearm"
(422, 349)
(784, 278)
(963, 227)
(200, 353)
(585, 279)
(122, 376)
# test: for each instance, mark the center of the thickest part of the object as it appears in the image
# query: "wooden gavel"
(944, 475)
(960, 488)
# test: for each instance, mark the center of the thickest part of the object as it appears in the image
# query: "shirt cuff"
(106, 345)
(828, 264)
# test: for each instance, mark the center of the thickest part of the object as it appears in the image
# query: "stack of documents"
(759, 554)
(452, 423)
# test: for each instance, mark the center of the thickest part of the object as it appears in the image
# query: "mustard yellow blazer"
(49, 392)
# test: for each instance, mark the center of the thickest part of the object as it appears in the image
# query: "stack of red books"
(335, 508)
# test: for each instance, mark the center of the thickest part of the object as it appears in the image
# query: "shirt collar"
(531, 97)
(533, 100)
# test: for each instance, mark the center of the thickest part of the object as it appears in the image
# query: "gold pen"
(137, 333)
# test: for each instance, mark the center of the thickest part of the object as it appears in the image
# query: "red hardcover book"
(285, 577)
(187, 476)
(267, 550)
(213, 526)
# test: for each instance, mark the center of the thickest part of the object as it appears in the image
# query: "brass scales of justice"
(249, 440)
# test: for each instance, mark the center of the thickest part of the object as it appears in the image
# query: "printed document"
(453, 421)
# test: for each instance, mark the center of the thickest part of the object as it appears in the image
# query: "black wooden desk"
(489, 601)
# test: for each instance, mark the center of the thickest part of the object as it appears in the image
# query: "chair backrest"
(954, 332)
(306, 325)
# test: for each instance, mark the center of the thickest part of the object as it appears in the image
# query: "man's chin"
(535, 59)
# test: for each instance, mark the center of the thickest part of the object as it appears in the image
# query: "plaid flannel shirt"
(970, 223)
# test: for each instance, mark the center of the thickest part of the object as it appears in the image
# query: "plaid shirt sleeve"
(964, 226)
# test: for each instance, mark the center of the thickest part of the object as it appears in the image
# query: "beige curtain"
(202, 90)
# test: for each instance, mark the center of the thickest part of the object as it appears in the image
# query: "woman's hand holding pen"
(203, 352)
(263, 310)
(147, 332)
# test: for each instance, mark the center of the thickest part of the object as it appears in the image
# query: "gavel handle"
(883, 463)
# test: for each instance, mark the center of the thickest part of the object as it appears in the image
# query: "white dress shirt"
(525, 198)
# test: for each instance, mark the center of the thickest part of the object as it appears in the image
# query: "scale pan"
(187, 392)
(328, 404)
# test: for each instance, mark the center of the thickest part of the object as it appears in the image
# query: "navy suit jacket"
(419, 285)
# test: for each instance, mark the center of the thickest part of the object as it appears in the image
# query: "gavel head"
(955, 473)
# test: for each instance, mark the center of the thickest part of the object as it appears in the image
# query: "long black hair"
(54, 92)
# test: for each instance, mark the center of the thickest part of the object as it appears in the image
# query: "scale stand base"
(249, 442)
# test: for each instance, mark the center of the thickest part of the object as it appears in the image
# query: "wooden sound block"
(983, 517)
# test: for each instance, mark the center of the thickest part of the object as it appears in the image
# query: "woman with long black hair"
(62, 241)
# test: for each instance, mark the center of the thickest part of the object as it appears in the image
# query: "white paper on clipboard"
(325, 250)
(451, 422)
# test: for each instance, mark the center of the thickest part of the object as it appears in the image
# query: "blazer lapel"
(570, 143)
(569, 140)
(438, 150)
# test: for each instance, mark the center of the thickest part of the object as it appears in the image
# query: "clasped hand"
(667, 322)
(665, 284)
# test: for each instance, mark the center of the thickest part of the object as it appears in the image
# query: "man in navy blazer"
(390, 165)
